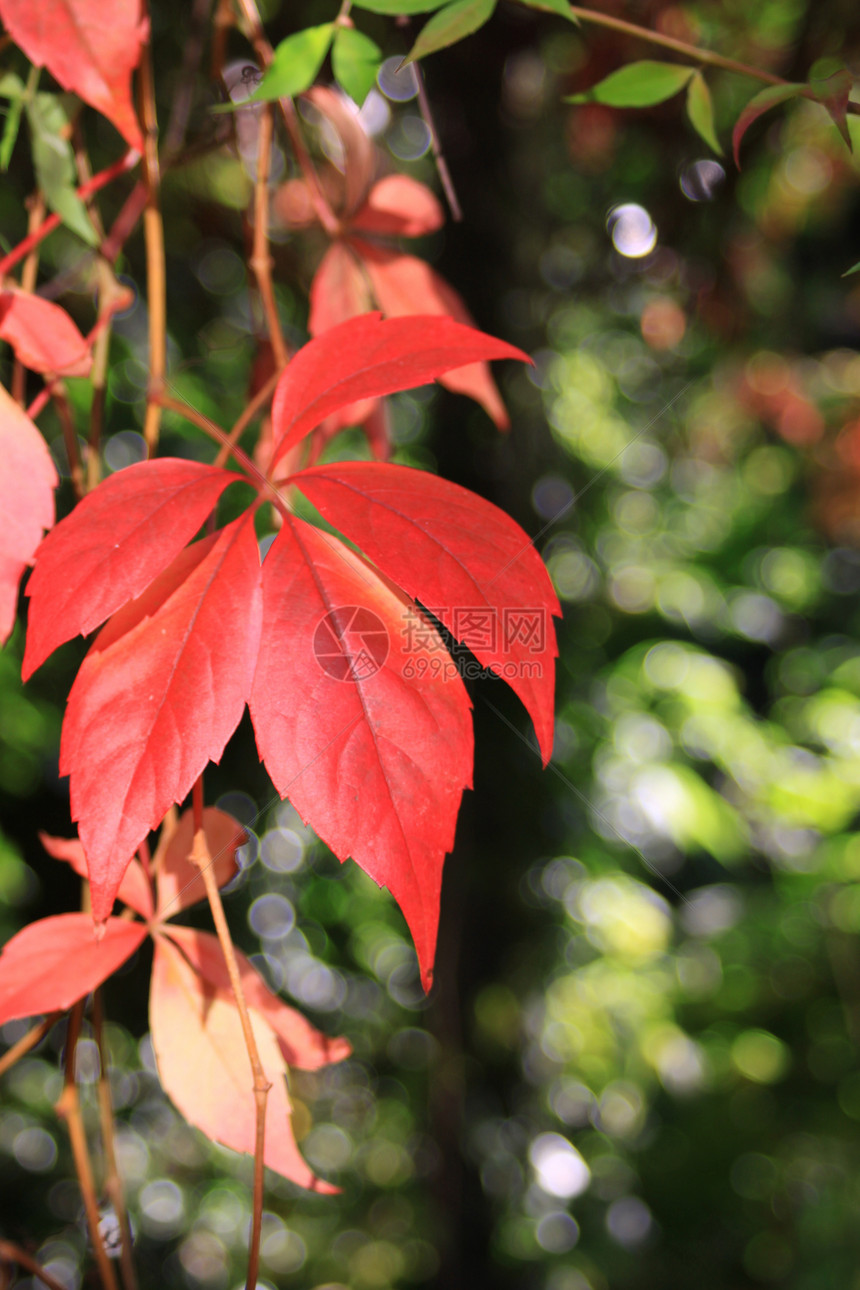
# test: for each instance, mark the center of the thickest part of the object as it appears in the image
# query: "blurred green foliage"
(639, 1065)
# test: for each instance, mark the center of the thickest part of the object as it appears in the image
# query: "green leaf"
(855, 268)
(637, 85)
(450, 25)
(54, 164)
(560, 7)
(832, 93)
(11, 86)
(397, 7)
(355, 59)
(700, 110)
(295, 66)
(759, 104)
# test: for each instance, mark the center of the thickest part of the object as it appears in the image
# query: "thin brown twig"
(436, 148)
(153, 230)
(112, 1180)
(201, 857)
(261, 261)
(29, 274)
(28, 1041)
(68, 1108)
(215, 432)
(694, 52)
(222, 23)
(70, 436)
(192, 56)
(259, 401)
(11, 1253)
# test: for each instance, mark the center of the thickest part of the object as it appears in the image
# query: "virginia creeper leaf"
(134, 890)
(339, 290)
(204, 1068)
(302, 1045)
(179, 882)
(111, 546)
(52, 963)
(355, 60)
(449, 25)
(462, 557)
(27, 482)
(403, 283)
(54, 164)
(366, 730)
(399, 206)
(757, 106)
(296, 64)
(89, 48)
(639, 84)
(43, 336)
(158, 696)
(700, 110)
(366, 357)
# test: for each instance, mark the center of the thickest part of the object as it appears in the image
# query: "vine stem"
(112, 1180)
(153, 231)
(201, 857)
(260, 399)
(682, 47)
(438, 156)
(261, 261)
(68, 1107)
(28, 1041)
(12, 1253)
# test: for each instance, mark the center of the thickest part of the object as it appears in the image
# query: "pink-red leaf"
(339, 290)
(27, 483)
(179, 881)
(204, 1067)
(112, 545)
(462, 557)
(89, 47)
(367, 356)
(134, 890)
(403, 285)
(302, 1045)
(43, 336)
(399, 207)
(51, 964)
(370, 739)
(158, 696)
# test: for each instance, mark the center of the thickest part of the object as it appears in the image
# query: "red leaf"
(134, 890)
(158, 696)
(302, 1045)
(52, 963)
(757, 106)
(366, 357)
(404, 285)
(43, 336)
(401, 207)
(89, 48)
(27, 482)
(178, 881)
(339, 290)
(204, 1067)
(374, 749)
(359, 157)
(112, 545)
(462, 557)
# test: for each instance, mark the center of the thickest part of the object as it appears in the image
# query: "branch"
(201, 857)
(112, 1180)
(28, 1041)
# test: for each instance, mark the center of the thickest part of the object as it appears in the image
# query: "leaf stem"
(68, 1107)
(201, 857)
(112, 1180)
(153, 230)
(259, 401)
(261, 261)
(33, 1036)
(70, 436)
(438, 156)
(694, 52)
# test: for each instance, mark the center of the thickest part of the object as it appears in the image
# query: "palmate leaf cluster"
(648, 1061)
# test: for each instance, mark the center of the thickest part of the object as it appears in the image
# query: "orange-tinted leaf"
(367, 356)
(466, 560)
(404, 285)
(400, 207)
(178, 880)
(27, 482)
(43, 336)
(89, 47)
(365, 730)
(302, 1045)
(115, 541)
(52, 963)
(134, 890)
(205, 1070)
(158, 696)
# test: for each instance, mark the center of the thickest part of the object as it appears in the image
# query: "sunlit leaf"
(639, 84)
(700, 110)
(355, 60)
(296, 64)
(27, 482)
(449, 25)
(397, 7)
